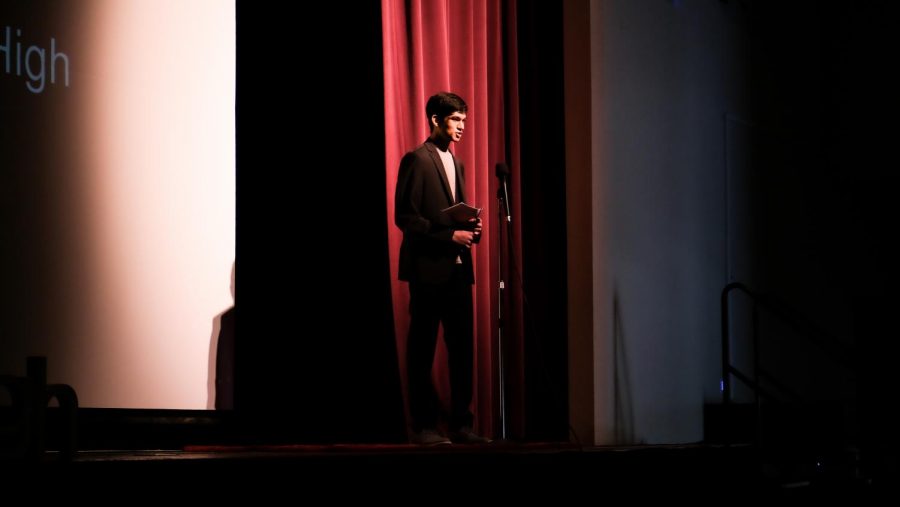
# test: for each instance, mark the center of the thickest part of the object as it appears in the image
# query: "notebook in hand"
(461, 212)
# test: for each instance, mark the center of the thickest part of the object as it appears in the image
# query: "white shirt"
(450, 170)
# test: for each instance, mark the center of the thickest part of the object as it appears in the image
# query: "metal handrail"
(834, 348)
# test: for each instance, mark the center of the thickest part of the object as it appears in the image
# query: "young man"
(436, 260)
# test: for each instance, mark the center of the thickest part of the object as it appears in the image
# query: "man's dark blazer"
(428, 252)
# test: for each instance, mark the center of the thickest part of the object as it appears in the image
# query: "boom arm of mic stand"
(503, 196)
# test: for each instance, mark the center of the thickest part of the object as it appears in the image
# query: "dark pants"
(450, 304)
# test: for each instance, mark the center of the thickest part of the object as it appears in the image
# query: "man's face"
(452, 126)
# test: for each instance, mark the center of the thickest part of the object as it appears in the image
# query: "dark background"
(315, 352)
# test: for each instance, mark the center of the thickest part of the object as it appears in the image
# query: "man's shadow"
(220, 379)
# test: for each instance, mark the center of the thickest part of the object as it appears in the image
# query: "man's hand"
(476, 230)
(464, 238)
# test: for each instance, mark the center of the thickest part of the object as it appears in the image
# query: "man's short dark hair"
(443, 104)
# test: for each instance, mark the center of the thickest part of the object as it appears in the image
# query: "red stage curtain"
(458, 46)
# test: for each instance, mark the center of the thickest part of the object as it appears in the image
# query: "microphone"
(502, 171)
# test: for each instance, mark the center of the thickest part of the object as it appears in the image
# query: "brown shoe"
(465, 435)
(429, 437)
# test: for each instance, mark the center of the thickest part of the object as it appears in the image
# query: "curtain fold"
(458, 46)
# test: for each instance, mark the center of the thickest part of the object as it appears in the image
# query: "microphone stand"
(502, 202)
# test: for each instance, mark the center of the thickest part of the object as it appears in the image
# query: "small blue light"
(721, 385)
